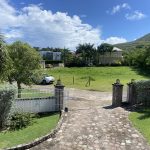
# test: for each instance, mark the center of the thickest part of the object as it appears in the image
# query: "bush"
(143, 91)
(7, 95)
(21, 120)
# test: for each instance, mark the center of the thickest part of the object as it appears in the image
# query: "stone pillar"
(59, 96)
(117, 93)
(131, 93)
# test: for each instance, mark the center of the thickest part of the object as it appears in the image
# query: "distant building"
(51, 56)
(51, 59)
(114, 57)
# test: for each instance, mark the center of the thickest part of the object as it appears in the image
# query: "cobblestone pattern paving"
(90, 125)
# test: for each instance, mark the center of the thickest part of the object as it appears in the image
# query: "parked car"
(46, 79)
(43, 79)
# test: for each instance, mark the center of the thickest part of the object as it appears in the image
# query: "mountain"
(139, 43)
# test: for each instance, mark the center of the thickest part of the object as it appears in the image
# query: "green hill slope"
(139, 43)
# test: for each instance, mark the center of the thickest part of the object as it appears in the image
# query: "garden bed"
(43, 125)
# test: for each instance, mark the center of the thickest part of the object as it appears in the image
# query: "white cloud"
(126, 6)
(136, 15)
(115, 40)
(118, 8)
(43, 28)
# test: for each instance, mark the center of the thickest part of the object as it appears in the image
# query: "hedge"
(7, 95)
(143, 91)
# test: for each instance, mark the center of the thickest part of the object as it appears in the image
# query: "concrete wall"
(35, 105)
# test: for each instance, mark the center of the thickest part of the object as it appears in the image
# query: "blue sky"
(65, 23)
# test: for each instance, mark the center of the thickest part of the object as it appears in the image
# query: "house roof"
(116, 49)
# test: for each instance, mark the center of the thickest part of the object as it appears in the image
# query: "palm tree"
(87, 52)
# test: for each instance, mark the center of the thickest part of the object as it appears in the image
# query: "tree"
(25, 60)
(4, 59)
(103, 48)
(138, 57)
(87, 52)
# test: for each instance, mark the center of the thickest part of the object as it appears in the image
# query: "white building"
(52, 56)
(114, 57)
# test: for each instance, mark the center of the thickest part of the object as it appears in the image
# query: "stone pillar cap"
(59, 83)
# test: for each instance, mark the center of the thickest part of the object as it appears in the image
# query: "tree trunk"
(19, 89)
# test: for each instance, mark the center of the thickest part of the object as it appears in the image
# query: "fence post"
(59, 95)
(117, 93)
(131, 93)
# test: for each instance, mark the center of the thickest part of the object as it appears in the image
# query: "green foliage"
(7, 95)
(44, 124)
(21, 120)
(25, 61)
(4, 59)
(138, 57)
(104, 48)
(76, 62)
(143, 91)
(67, 56)
(86, 52)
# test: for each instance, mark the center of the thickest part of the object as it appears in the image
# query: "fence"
(41, 100)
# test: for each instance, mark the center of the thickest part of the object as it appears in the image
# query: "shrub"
(21, 120)
(143, 91)
(7, 95)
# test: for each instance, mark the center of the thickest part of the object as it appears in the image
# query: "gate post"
(131, 95)
(59, 96)
(117, 93)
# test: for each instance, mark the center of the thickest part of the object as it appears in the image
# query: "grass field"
(141, 120)
(104, 76)
(42, 126)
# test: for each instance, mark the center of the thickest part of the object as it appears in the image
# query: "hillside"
(139, 43)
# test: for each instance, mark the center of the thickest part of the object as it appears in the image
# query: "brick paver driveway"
(91, 125)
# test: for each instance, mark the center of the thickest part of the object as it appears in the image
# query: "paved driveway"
(91, 125)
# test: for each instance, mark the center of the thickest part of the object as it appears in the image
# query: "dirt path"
(91, 125)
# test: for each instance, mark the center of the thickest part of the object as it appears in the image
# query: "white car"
(47, 79)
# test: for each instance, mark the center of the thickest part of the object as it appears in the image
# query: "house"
(51, 59)
(113, 57)
(51, 56)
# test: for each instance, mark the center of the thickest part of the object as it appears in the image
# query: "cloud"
(118, 8)
(115, 40)
(136, 15)
(43, 28)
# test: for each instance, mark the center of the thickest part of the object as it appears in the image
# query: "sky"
(67, 23)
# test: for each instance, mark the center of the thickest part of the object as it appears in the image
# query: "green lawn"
(42, 126)
(34, 93)
(104, 76)
(141, 120)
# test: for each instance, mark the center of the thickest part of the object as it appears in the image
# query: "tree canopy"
(138, 57)
(24, 61)
(104, 47)
(4, 59)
